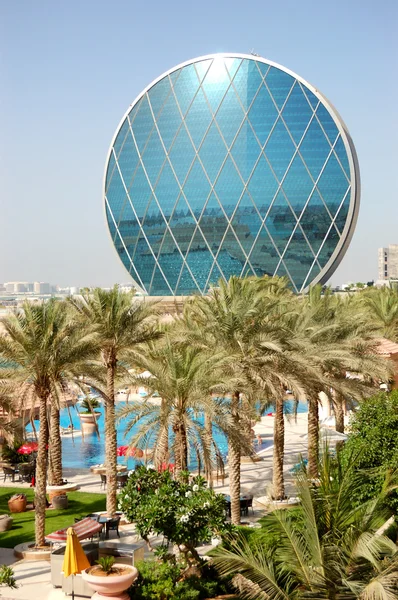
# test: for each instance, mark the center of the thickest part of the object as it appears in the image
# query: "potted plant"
(5, 523)
(88, 415)
(17, 503)
(110, 579)
(60, 501)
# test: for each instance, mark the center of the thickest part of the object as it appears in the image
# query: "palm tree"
(184, 376)
(383, 307)
(121, 324)
(40, 352)
(239, 319)
(358, 355)
(324, 549)
(336, 338)
(282, 366)
(223, 320)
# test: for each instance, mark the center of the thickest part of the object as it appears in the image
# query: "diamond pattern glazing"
(229, 165)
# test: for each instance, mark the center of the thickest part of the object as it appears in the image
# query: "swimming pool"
(82, 453)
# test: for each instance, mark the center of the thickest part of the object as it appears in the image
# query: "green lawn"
(80, 504)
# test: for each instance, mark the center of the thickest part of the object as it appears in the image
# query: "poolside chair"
(103, 481)
(122, 480)
(243, 507)
(94, 516)
(249, 504)
(227, 505)
(245, 503)
(96, 536)
(9, 472)
(112, 525)
(26, 472)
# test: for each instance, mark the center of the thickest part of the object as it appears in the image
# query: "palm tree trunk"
(313, 436)
(55, 448)
(180, 448)
(234, 463)
(49, 464)
(278, 485)
(339, 412)
(110, 439)
(161, 451)
(295, 409)
(246, 422)
(209, 439)
(41, 474)
(177, 452)
(184, 446)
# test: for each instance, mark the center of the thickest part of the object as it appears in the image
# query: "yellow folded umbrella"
(74, 560)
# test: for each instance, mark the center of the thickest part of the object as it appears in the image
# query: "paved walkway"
(34, 578)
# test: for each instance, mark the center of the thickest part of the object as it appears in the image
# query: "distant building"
(17, 287)
(388, 262)
(40, 287)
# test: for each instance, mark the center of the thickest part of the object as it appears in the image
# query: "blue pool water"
(79, 453)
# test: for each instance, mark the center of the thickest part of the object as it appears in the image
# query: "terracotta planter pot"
(5, 523)
(52, 495)
(60, 501)
(111, 586)
(88, 421)
(89, 417)
(17, 505)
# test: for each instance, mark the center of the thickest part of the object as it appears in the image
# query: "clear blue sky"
(69, 70)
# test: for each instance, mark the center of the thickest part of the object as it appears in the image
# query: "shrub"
(185, 512)
(7, 577)
(11, 455)
(374, 444)
(166, 581)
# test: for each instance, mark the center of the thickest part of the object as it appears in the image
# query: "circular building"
(230, 164)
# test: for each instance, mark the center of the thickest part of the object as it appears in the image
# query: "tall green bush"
(166, 581)
(374, 444)
(185, 511)
(10, 453)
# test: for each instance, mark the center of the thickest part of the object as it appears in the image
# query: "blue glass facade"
(229, 165)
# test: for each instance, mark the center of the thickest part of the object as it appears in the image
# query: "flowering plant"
(185, 511)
